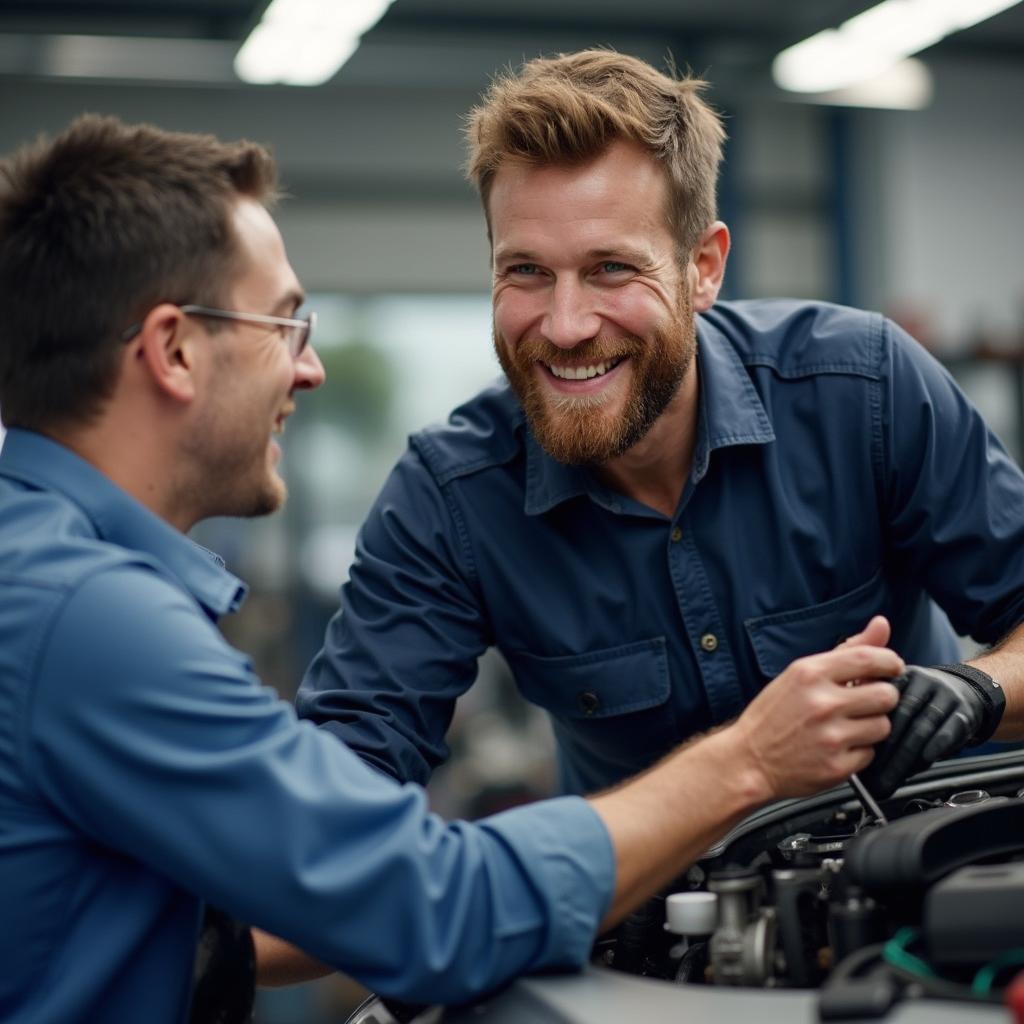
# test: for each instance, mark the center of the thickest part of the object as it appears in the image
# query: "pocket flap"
(597, 684)
(783, 637)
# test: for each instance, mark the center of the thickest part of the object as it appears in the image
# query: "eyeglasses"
(295, 333)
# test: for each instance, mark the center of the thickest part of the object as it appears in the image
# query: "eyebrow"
(515, 255)
(626, 253)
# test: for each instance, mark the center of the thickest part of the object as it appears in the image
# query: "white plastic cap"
(691, 913)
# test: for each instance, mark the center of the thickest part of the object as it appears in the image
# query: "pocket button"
(589, 702)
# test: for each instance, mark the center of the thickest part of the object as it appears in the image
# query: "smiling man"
(671, 498)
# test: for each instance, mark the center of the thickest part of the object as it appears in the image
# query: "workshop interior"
(896, 187)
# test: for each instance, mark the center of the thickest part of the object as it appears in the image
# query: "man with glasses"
(150, 351)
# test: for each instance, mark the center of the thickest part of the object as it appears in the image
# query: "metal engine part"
(743, 945)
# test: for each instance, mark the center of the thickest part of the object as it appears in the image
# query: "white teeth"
(582, 372)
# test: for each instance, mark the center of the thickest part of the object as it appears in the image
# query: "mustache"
(599, 349)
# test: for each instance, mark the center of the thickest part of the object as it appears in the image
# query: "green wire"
(986, 976)
(895, 952)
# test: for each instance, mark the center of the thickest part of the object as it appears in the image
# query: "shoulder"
(484, 432)
(47, 542)
(800, 338)
(66, 585)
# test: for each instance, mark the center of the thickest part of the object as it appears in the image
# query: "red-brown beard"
(576, 430)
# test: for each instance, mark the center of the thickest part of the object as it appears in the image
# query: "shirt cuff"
(570, 856)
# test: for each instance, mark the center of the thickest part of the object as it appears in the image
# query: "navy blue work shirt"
(143, 770)
(839, 472)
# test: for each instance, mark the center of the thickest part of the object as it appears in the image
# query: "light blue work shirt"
(839, 472)
(144, 770)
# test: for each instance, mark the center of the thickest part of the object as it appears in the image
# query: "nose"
(570, 317)
(309, 371)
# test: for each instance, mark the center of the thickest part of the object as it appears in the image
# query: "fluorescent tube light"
(873, 41)
(305, 42)
(905, 85)
(120, 58)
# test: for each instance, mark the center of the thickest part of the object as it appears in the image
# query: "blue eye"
(614, 267)
(524, 268)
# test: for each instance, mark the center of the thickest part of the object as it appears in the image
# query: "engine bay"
(819, 894)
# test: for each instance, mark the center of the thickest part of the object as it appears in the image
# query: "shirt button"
(709, 642)
(588, 701)
(676, 535)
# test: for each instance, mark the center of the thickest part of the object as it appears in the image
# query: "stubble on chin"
(236, 480)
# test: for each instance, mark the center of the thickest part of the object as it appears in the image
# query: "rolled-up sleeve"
(155, 738)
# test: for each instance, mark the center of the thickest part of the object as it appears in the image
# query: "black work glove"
(940, 711)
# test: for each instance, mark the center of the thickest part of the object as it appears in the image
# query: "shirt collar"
(730, 412)
(118, 518)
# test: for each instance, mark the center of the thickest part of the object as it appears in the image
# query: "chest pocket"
(781, 638)
(610, 705)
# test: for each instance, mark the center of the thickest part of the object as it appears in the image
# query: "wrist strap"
(991, 693)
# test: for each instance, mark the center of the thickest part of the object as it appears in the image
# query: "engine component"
(967, 798)
(904, 858)
(798, 903)
(976, 914)
(691, 913)
(804, 850)
(855, 922)
(743, 945)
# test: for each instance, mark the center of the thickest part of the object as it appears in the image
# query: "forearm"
(661, 822)
(280, 963)
(1005, 664)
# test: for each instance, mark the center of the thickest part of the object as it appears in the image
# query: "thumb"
(875, 634)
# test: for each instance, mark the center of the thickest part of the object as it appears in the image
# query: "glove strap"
(992, 697)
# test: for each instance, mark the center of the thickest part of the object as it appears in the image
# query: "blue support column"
(842, 207)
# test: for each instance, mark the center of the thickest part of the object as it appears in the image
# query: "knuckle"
(802, 671)
(829, 742)
(863, 657)
(821, 704)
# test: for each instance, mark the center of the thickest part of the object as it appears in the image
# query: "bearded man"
(670, 499)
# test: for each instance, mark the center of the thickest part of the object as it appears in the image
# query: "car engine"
(817, 893)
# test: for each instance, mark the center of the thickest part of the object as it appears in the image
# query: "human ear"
(165, 346)
(708, 263)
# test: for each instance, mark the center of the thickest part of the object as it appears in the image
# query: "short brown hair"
(98, 226)
(569, 108)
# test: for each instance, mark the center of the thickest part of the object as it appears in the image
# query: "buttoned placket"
(702, 622)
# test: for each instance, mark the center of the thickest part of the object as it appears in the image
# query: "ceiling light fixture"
(305, 42)
(905, 85)
(872, 42)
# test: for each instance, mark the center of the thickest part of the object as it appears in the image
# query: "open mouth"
(587, 372)
(279, 420)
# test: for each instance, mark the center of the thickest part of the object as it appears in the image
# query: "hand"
(810, 728)
(938, 713)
